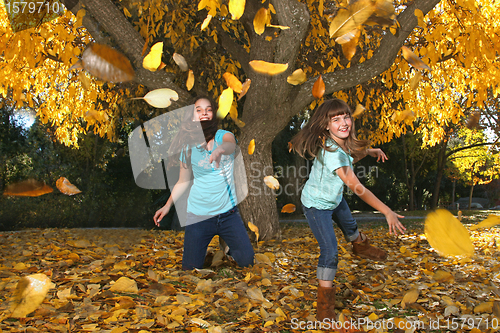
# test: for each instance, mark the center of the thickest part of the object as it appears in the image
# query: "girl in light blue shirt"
(330, 138)
(211, 206)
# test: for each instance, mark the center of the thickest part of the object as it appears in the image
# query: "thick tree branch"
(112, 21)
(382, 59)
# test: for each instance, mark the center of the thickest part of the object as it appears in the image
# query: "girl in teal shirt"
(330, 138)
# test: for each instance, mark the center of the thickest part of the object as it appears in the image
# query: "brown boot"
(326, 304)
(363, 249)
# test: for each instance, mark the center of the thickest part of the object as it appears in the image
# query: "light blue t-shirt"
(323, 189)
(213, 191)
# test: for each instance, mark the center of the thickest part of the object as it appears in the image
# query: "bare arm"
(226, 148)
(373, 152)
(179, 188)
(349, 178)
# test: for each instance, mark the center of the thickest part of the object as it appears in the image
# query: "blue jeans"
(229, 226)
(321, 225)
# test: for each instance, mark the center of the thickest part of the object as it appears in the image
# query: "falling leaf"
(27, 188)
(244, 88)
(415, 80)
(233, 82)
(359, 110)
(233, 113)
(318, 88)
(84, 80)
(490, 221)
(282, 27)
(180, 61)
(190, 80)
(268, 68)
(349, 19)
(261, 19)
(272, 182)
(447, 235)
(459, 216)
(29, 294)
(297, 77)
(125, 285)
(160, 98)
(152, 60)
(236, 8)
(66, 187)
(413, 59)
(105, 63)
(473, 120)
(384, 13)
(255, 230)
(288, 208)
(349, 47)
(206, 22)
(251, 147)
(225, 102)
(290, 147)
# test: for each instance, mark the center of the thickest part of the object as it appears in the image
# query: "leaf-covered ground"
(118, 280)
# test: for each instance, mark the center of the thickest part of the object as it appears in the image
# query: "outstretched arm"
(349, 178)
(373, 152)
(226, 148)
(179, 188)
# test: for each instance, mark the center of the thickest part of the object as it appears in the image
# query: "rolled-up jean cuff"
(352, 237)
(325, 273)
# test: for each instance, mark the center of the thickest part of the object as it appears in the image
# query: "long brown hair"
(314, 134)
(188, 134)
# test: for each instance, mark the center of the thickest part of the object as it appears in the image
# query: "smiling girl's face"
(340, 127)
(203, 110)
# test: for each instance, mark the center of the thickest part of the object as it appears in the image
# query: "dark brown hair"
(314, 134)
(188, 134)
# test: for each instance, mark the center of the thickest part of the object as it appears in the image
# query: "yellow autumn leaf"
(268, 68)
(85, 81)
(410, 297)
(244, 88)
(415, 80)
(261, 258)
(288, 208)
(236, 8)
(254, 229)
(272, 182)
(282, 27)
(251, 147)
(413, 59)
(64, 185)
(318, 89)
(152, 60)
(373, 317)
(490, 221)
(206, 22)
(359, 110)
(297, 77)
(200, 322)
(180, 61)
(233, 82)
(447, 235)
(261, 19)
(160, 98)
(190, 80)
(349, 43)
(125, 285)
(30, 292)
(349, 19)
(442, 276)
(484, 307)
(225, 102)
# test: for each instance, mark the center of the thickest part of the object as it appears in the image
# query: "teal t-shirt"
(213, 191)
(323, 189)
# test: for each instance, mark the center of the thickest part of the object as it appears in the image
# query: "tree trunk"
(259, 207)
(440, 171)
(454, 185)
(470, 195)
